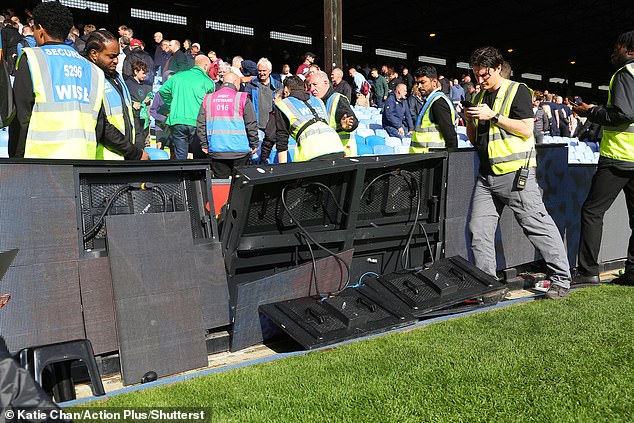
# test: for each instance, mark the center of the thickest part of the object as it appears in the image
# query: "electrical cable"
(376, 179)
(312, 256)
(161, 192)
(405, 254)
(97, 226)
(332, 194)
(359, 283)
(308, 236)
(428, 244)
(122, 190)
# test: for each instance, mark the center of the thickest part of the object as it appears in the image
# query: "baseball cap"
(196, 45)
(249, 68)
(135, 42)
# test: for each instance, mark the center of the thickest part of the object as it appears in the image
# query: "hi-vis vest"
(314, 137)
(350, 148)
(113, 107)
(426, 133)
(224, 111)
(507, 152)
(618, 141)
(68, 95)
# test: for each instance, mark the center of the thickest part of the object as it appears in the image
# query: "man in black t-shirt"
(500, 126)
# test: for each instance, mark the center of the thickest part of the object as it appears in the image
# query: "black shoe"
(581, 279)
(626, 279)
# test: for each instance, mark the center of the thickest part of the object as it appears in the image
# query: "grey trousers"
(490, 195)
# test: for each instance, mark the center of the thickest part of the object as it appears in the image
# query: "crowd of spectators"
(381, 87)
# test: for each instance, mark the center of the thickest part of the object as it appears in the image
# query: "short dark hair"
(486, 57)
(426, 70)
(55, 18)
(139, 66)
(294, 83)
(626, 40)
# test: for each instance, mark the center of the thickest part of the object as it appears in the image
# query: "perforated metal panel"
(157, 299)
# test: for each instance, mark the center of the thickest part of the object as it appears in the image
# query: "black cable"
(428, 244)
(404, 255)
(158, 189)
(308, 236)
(376, 179)
(95, 229)
(312, 256)
(332, 194)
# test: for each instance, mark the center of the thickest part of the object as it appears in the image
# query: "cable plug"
(142, 185)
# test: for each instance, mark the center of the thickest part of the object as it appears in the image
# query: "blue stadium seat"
(157, 153)
(364, 132)
(364, 150)
(393, 142)
(401, 149)
(382, 149)
(373, 140)
(381, 133)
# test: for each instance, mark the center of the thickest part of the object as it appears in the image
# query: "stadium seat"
(382, 149)
(381, 133)
(401, 149)
(373, 140)
(364, 150)
(157, 153)
(393, 142)
(364, 132)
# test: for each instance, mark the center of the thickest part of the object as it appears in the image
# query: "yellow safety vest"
(426, 133)
(68, 95)
(113, 108)
(350, 148)
(314, 137)
(618, 141)
(507, 152)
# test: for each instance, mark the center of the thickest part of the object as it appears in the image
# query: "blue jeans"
(184, 140)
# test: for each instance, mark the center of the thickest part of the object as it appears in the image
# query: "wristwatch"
(495, 118)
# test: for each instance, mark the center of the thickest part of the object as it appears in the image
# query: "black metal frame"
(203, 231)
(251, 256)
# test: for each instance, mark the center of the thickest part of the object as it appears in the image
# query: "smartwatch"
(495, 118)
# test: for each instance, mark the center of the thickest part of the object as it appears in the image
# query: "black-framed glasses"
(486, 75)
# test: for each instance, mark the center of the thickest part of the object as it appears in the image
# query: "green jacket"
(183, 93)
(380, 86)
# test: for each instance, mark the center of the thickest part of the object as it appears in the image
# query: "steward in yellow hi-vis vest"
(507, 152)
(113, 103)
(333, 103)
(618, 138)
(59, 95)
(615, 170)
(313, 134)
(341, 117)
(68, 95)
(428, 134)
(500, 126)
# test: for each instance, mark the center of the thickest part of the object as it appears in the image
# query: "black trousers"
(607, 183)
(222, 168)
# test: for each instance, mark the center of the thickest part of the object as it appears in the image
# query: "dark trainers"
(581, 279)
(626, 279)
(556, 291)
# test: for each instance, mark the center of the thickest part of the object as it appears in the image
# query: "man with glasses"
(500, 126)
(435, 123)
